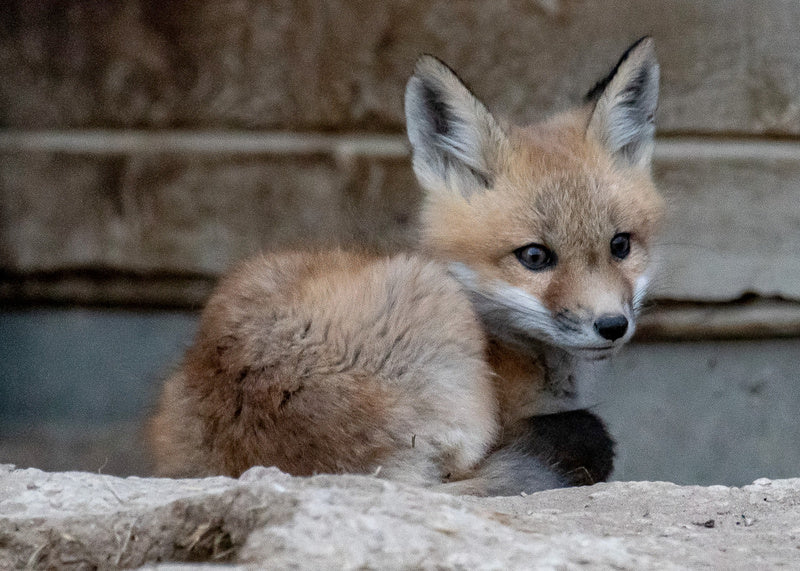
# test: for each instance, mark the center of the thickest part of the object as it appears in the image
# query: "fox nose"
(611, 327)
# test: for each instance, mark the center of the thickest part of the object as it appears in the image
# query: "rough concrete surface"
(266, 518)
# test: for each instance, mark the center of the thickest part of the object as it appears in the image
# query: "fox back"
(331, 362)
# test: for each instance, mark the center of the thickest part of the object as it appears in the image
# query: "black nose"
(611, 327)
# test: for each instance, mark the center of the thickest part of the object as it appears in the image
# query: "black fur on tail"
(574, 444)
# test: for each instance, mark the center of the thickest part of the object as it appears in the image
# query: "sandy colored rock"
(78, 520)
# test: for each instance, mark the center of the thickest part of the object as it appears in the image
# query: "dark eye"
(535, 257)
(621, 245)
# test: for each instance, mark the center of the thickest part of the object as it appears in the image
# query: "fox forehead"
(571, 188)
(577, 206)
(553, 187)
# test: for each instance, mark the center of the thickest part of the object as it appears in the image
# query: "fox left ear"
(625, 105)
(456, 141)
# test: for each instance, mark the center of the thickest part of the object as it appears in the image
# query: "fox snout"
(592, 333)
(518, 316)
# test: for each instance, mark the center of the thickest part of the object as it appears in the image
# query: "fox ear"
(455, 139)
(625, 105)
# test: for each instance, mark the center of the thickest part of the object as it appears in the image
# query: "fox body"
(332, 362)
(461, 365)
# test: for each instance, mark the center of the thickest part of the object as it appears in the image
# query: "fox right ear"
(625, 105)
(455, 139)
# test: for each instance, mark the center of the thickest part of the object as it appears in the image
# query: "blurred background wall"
(145, 146)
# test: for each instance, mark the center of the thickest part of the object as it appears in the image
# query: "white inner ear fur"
(623, 118)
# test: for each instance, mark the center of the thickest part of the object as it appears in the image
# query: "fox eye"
(535, 257)
(621, 245)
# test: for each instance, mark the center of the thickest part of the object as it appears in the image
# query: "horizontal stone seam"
(204, 142)
(380, 146)
(763, 319)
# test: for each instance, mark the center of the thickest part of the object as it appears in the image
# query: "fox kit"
(459, 366)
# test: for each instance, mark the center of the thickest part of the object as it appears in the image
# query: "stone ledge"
(117, 142)
(75, 520)
(361, 144)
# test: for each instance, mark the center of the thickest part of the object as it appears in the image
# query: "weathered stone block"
(728, 66)
(265, 518)
(190, 211)
(194, 214)
(734, 220)
(711, 412)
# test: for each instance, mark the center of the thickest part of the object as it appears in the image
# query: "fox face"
(549, 226)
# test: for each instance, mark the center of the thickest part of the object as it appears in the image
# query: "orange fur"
(419, 366)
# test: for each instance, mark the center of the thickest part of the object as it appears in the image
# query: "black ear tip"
(645, 43)
(427, 64)
(425, 68)
(646, 40)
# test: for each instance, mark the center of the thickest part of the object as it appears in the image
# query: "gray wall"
(145, 146)
(77, 383)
